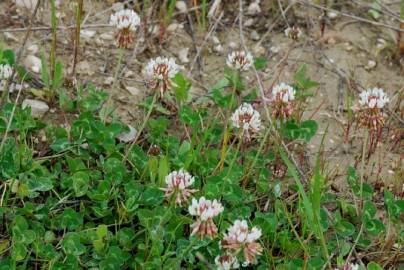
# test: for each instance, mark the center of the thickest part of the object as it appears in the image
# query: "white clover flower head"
(205, 210)
(282, 100)
(246, 118)
(178, 183)
(353, 266)
(179, 179)
(239, 238)
(349, 266)
(11, 87)
(159, 71)
(239, 231)
(227, 262)
(293, 32)
(254, 235)
(240, 60)
(5, 71)
(283, 93)
(372, 101)
(126, 22)
(373, 98)
(162, 68)
(125, 19)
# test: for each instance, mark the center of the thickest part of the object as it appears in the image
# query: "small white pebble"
(181, 6)
(275, 49)
(254, 8)
(215, 40)
(232, 45)
(218, 48)
(371, 64)
(332, 14)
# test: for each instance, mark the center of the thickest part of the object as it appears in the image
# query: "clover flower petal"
(178, 183)
(204, 210)
(240, 60)
(373, 98)
(159, 72)
(240, 239)
(226, 262)
(293, 32)
(126, 22)
(282, 100)
(372, 101)
(247, 119)
(5, 71)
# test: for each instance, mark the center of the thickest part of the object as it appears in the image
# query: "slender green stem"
(304, 247)
(145, 120)
(365, 140)
(235, 157)
(355, 243)
(402, 10)
(52, 56)
(78, 31)
(169, 12)
(252, 165)
(12, 115)
(204, 8)
(226, 131)
(106, 110)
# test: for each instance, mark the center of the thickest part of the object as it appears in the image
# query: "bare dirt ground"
(351, 55)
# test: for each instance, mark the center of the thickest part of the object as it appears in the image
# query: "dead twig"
(48, 28)
(19, 54)
(198, 52)
(213, 8)
(198, 58)
(78, 30)
(303, 2)
(271, 27)
(283, 13)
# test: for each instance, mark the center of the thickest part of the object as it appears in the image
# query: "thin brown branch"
(198, 52)
(48, 28)
(20, 52)
(78, 30)
(303, 2)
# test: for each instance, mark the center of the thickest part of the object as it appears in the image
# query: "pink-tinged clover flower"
(282, 100)
(247, 119)
(126, 22)
(373, 98)
(349, 266)
(204, 210)
(240, 60)
(178, 185)
(372, 101)
(5, 71)
(159, 72)
(239, 239)
(293, 32)
(227, 262)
